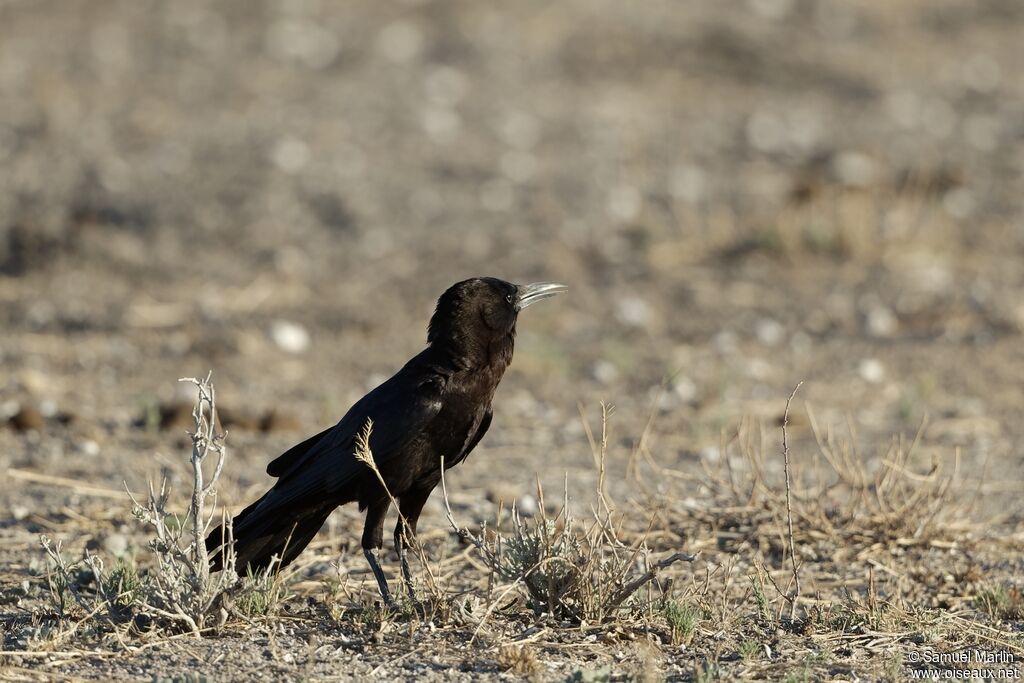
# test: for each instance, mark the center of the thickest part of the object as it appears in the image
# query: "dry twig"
(789, 505)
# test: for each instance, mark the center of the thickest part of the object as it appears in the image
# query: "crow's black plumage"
(438, 404)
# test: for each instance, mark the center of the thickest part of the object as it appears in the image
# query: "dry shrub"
(178, 591)
(838, 506)
(584, 573)
(519, 659)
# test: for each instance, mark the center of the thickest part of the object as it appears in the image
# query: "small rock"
(633, 311)
(501, 494)
(871, 370)
(289, 336)
(176, 415)
(881, 322)
(290, 155)
(28, 419)
(759, 369)
(142, 623)
(48, 408)
(770, 332)
(66, 417)
(685, 389)
(116, 544)
(725, 341)
(605, 372)
(9, 409)
(527, 505)
(711, 454)
(274, 421)
(235, 419)
(854, 169)
(87, 447)
(20, 512)
(688, 183)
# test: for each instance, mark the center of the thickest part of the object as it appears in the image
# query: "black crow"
(438, 404)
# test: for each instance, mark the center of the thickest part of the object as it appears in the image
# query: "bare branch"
(789, 505)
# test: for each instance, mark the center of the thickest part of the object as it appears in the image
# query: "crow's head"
(476, 314)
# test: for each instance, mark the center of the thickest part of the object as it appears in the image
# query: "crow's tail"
(263, 531)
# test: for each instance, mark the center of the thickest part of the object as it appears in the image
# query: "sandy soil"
(740, 196)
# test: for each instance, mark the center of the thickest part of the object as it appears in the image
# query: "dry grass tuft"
(583, 573)
(518, 659)
(178, 591)
(889, 549)
(839, 509)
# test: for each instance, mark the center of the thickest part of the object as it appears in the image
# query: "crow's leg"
(373, 540)
(410, 507)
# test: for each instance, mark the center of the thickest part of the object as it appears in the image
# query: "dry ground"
(741, 195)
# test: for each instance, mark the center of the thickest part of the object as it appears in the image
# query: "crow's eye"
(508, 298)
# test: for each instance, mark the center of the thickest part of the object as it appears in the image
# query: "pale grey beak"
(532, 293)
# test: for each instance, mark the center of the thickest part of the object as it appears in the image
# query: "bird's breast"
(460, 417)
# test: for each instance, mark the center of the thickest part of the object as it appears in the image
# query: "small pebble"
(770, 332)
(633, 311)
(235, 419)
(871, 370)
(275, 421)
(88, 447)
(605, 372)
(289, 336)
(527, 505)
(175, 416)
(116, 544)
(28, 419)
(881, 322)
(684, 389)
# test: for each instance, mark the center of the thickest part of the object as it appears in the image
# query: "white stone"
(871, 370)
(854, 169)
(88, 447)
(633, 311)
(770, 332)
(605, 372)
(527, 505)
(289, 336)
(684, 388)
(290, 154)
(881, 322)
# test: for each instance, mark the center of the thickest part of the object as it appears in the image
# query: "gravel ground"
(740, 195)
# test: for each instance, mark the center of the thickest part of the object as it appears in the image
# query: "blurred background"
(740, 195)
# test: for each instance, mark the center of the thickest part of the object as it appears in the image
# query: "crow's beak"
(531, 293)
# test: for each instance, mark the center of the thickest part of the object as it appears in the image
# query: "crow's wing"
(323, 465)
(284, 462)
(485, 423)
